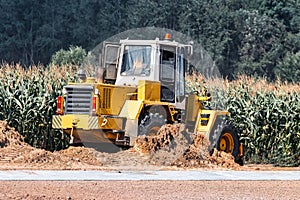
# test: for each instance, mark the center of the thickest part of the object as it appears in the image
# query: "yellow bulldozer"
(139, 87)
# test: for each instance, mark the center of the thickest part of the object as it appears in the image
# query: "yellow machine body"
(115, 105)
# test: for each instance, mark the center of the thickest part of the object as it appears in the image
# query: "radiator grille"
(79, 99)
(106, 98)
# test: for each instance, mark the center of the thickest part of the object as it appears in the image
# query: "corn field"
(28, 101)
(267, 116)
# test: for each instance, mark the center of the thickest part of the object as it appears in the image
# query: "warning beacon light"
(167, 36)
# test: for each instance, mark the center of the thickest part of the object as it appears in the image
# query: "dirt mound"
(173, 146)
(167, 137)
(78, 154)
(164, 148)
(16, 153)
(8, 136)
(27, 157)
(197, 155)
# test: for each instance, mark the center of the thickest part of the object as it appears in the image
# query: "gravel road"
(16, 154)
(150, 190)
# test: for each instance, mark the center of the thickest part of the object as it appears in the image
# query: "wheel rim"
(227, 143)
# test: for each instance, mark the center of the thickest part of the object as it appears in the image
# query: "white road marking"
(72, 175)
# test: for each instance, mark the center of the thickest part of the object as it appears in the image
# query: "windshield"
(136, 61)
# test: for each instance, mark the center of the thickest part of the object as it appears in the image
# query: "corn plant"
(267, 116)
(28, 101)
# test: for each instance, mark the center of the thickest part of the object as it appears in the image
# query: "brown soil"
(173, 148)
(16, 154)
(165, 190)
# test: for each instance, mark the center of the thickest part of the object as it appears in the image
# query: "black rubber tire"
(151, 124)
(226, 131)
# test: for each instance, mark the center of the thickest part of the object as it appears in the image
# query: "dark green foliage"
(288, 69)
(72, 56)
(261, 44)
(252, 37)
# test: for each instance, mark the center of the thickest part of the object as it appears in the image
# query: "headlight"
(96, 91)
(64, 91)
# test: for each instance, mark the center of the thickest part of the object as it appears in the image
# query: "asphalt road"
(68, 175)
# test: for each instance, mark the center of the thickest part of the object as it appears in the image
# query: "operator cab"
(156, 60)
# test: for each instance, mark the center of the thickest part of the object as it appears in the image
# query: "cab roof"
(157, 41)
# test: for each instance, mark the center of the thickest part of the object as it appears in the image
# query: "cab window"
(136, 61)
(167, 73)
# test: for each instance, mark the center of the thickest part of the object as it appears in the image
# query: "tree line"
(253, 37)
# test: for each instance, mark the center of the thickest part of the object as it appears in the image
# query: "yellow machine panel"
(111, 123)
(87, 122)
(149, 90)
(206, 119)
(80, 121)
(112, 98)
(193, 107)
(131, 109)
